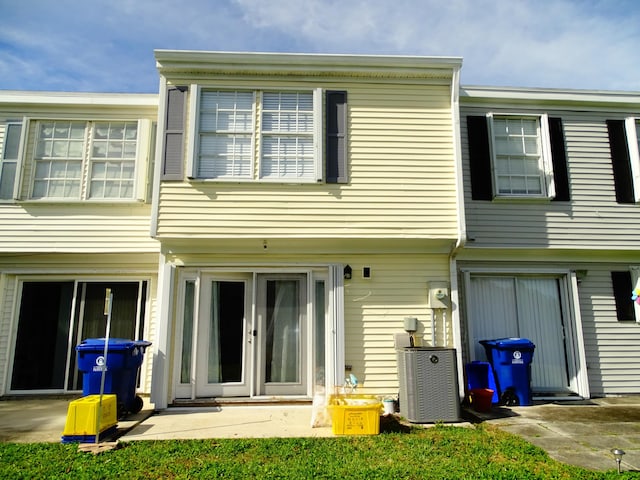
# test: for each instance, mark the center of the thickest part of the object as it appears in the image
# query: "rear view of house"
(303, 204)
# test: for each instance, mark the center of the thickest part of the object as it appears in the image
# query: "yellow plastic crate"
(82, 416)
(355, 414)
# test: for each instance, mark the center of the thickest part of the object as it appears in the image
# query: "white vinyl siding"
(402, 180)
(591, 220)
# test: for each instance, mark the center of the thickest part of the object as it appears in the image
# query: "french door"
(244, 335)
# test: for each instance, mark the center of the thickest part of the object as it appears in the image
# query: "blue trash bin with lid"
(124, 358)
(511, 360)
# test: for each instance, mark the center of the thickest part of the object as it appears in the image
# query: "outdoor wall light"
(617, 454)
(347, 272)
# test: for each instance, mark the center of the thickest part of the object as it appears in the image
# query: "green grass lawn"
(438, 452)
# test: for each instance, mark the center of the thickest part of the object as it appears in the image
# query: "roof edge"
(175, 61)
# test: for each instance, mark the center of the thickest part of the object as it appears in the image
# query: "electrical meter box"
(438, 295)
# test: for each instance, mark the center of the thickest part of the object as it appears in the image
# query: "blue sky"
(107, 45)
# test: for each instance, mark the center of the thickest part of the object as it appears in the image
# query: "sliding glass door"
(55, 316)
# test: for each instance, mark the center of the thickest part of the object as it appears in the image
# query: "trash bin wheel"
(137, 405)
(510, 399)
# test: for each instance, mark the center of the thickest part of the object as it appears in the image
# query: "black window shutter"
(172, 156)
(479, 158)
(559, 160)
(336, 142)
(622, 293)
(620, 161)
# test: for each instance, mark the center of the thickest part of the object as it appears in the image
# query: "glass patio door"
(282, 334)
(223, 340)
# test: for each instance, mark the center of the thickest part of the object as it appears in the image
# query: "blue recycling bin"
(480, 375)
(511, 360)
(124, 358)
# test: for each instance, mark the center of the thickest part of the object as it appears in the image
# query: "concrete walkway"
(579, 433)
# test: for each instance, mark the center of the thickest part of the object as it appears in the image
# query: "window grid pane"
(287, 129)
(9, 160)
(517, 147)
(226, 133)
(113, 153)
(59, 153)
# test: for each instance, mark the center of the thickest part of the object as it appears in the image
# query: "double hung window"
(249, 135)
(624, 142)
(521, 162)
(517, 156)
(68, 152)
(9, 159)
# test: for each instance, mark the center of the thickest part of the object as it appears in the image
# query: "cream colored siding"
(76, 228)
(401, 171)
(591, 220)
(375, 309)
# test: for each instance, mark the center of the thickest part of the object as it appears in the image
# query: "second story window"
(68, 152)
(514, 156)
(521, 167)
(624, 143)
(9, 159)
(249, 135)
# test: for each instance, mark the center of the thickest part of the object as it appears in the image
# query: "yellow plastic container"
(82, 416)
(355, 414)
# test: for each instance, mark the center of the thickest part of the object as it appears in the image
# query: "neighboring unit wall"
(588, 232)
(592, 215)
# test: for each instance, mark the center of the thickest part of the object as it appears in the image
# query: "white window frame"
(635, 285)
(545, 161)
(256, 151)
(18, 160)
(143, 151)
(632, 127)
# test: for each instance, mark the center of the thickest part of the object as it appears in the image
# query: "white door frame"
(334, 320)
(577, 363)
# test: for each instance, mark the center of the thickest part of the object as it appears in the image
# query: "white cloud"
(108, 45)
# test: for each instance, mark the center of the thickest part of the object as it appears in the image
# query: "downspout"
(461, 226)
(157, 169)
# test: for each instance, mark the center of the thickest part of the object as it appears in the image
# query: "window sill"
(54, 201)
(273, 181)
(521, 199)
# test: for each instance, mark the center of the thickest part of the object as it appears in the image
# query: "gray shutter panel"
(172, 156)
(336, 131)
(479, 158)
(620, 161)
(559, 160)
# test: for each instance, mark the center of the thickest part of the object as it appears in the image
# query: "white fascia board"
(488, 94)
(168, 61)
(19, 97)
